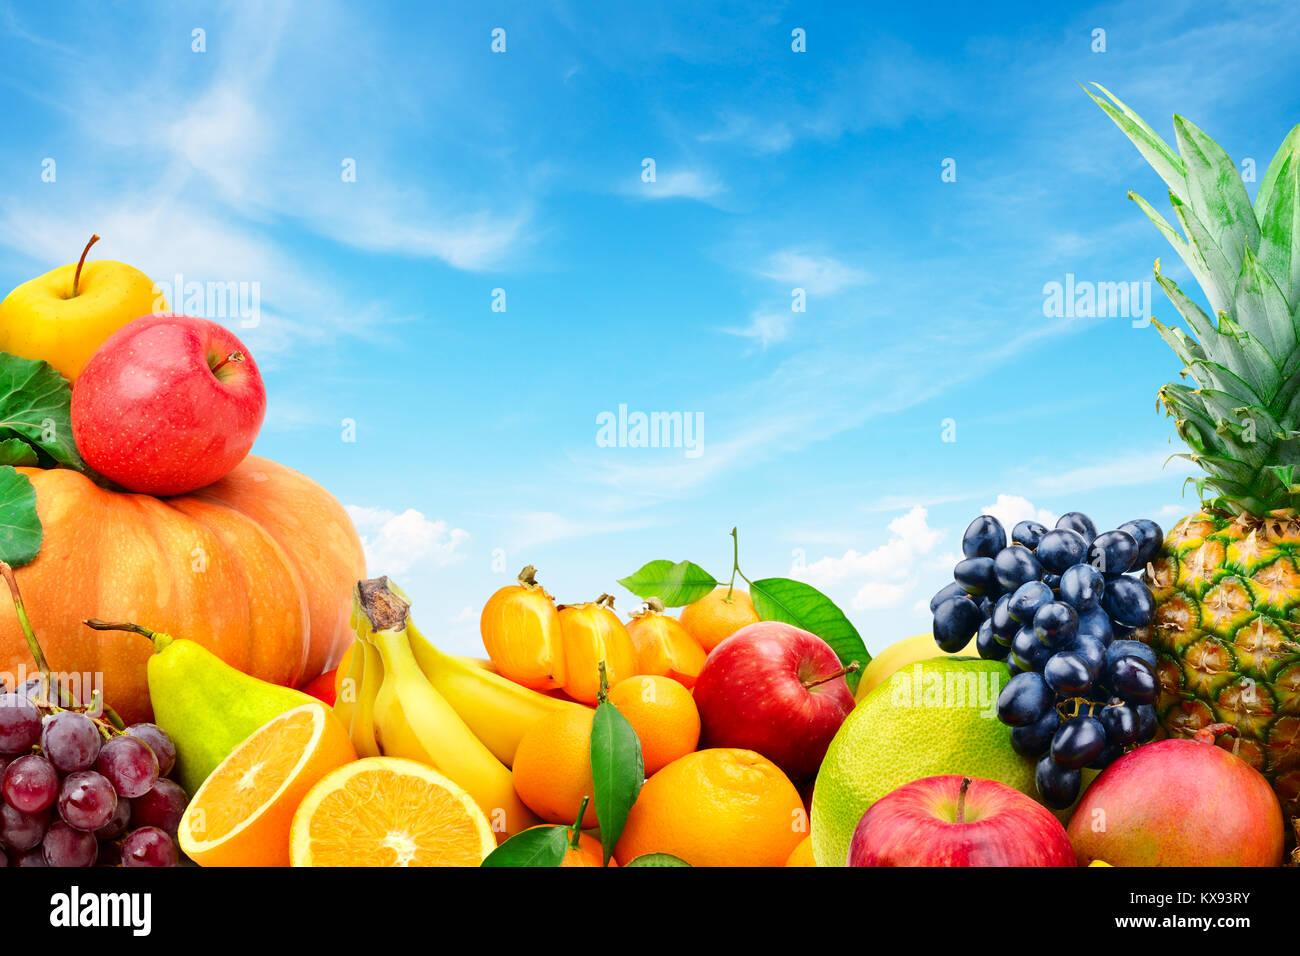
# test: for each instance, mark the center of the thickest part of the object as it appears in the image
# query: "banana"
(414, 721)
(495, 708)
(346, 704)
(363, 729)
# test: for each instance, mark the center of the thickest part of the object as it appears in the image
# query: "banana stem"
(23, 622)
(386, 610)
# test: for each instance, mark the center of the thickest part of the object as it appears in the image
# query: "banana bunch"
(409, 699)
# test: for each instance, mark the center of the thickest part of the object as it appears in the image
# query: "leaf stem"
(735, 565)
(576, 829)
(28, 634)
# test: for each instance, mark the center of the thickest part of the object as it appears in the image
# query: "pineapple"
(1227, 580)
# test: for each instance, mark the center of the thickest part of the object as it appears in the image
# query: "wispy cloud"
(698, 184)
(817, 274)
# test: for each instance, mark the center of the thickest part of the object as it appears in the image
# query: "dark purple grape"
(1124, 648)
(1129, 602)
(1012, 667)
(955, 623)
(33, 857)
(71, 740)
(1107, 757)
(30, 783)
(1149, 538)
(148, 846)
(1067, 674)
(1053, 582)
(1078, 742)
(1056, 624)
(118, 823)
(1148, 723)
(976, 577)
(162, 746)
(1026, 600)
(1061, 549)
(20, 724)
(1096, 623)
(132, 768)
(1113, 553)
(984, 538)
(1033, 740)
(1132, 679)
(1092, 651)
(21, 831)
(1081, 587)
(1028, 533)
(1015, 566)
(989, 646)
(1057, 785)
(1029, 653)
(4, 859)
(161, 807)
(1024, 700)
(1079, 523)
(87, 801)
(66, 846)
(1121, 723)
(945, 592)
(1003, 625)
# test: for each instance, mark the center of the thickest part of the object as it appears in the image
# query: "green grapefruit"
(937, 716)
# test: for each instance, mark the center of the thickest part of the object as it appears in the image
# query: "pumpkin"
(258, 568)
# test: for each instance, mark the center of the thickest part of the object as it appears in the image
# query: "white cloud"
(765, 328)
(885, 575)
(395, 543)
(679, 184)
(465, 615)
(543, 527)
(818, 275)
(1012, 509)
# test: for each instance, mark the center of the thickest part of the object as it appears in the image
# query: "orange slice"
(385, 811)
(242, 814)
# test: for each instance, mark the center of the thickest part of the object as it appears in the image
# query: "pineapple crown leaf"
(1242, 421)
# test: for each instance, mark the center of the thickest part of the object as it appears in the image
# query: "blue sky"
(476, 437)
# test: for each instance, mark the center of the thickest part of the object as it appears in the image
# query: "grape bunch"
(79, 792)
(1059, 607)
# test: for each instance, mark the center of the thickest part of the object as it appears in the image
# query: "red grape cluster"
(79, 792)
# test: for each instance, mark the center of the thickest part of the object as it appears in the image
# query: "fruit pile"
(1059, 605)
(80, 792)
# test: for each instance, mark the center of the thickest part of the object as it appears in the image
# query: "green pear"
(206, 706)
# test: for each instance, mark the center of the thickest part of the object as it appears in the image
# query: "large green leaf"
(16, 452)
(1278, 212)
(1262, 310)
(676, 585)
(1149, 143)
(36, 405)
(543, 846)
(800, 604)
(20, 526)
(617, 772)
(1216, 192)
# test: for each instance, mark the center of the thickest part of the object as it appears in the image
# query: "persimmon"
(521, 631)
(663, 647)
(593, 633)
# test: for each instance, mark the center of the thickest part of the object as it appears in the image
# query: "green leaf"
(1278, 212)
(656, 859)
(1216, 192)
(20, 526)
(36, 405)
(800, 604)
(542, 846)
(16, 452)
(675, 584)
(617, 772)
(1153, 148)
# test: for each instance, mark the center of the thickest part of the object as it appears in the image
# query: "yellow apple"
(66, 314)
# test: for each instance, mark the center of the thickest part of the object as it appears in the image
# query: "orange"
(552, 768)
(592, 634)
(713, 618)
(383, 811)
(521, 631)
(665, 648)
(586, 853)
(720, 807)
(663, 714)
(243, 813)
(802, 855)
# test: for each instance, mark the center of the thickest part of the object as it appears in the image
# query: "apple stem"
(76, 276)
(848, 668)
(235, 356)
(961, 801)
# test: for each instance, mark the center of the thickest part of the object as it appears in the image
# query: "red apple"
(958, 821)
(1179, 802)
(168, 404)
(773, 688)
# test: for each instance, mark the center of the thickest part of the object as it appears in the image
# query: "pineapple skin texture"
(1227, 635)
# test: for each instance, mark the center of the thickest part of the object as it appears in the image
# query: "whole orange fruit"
(663, 714)
(552, 768)
(717, 808)
(715, 617)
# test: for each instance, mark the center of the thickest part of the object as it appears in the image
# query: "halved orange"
(385, 811)
(242, 814)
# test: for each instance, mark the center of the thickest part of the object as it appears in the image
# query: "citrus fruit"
(242, 814)
(936, 717)
(715, 617)
(383, 811)
(719, 807)
(552, 768)
(587, 853)
(663, 714)
(803, 854)
(900, 654)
